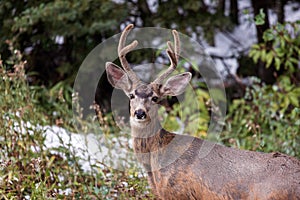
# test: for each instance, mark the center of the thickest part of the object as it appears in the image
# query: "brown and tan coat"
(176, 169)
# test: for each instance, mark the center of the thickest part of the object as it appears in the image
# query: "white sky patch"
(59, 39)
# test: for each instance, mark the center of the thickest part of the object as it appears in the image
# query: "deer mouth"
(140, 121)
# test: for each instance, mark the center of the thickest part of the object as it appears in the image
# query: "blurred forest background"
(43, 43)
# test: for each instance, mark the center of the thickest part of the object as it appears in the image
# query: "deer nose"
(140, 114)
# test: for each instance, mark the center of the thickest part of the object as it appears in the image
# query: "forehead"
(143, 91)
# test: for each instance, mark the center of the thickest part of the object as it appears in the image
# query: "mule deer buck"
(224, 173)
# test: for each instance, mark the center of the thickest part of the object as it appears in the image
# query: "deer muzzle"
(140, 114)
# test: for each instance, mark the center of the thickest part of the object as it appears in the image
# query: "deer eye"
(131, 96)
(154, 99)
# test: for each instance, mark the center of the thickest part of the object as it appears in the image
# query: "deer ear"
(117, 77)
(176, 85)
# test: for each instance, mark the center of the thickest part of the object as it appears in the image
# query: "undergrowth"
(31, 170)
(267, 119)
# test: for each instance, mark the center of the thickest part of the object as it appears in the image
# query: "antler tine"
(123, 50)
(173, 54)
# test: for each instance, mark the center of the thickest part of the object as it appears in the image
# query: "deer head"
(144, 98)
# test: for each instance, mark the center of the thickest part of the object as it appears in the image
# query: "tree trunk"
(280, 10)
(234, 11)
(221, 7)
(145, 13)
(267, 75)
(204, 6)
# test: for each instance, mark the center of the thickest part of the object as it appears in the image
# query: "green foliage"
(260, 18)
(182, 15)
(193, 114)
(30, 169)
(281, 47)
(55, 36)
(68, 18)
(267, 119)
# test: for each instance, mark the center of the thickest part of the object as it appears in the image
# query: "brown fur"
(225, 173)
(176, 165)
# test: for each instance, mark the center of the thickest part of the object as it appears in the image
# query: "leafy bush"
(193, 114)
(281, 47)
(30, 170)
(266, 119)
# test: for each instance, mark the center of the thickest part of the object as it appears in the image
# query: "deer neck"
(145, 130)
(146, 137)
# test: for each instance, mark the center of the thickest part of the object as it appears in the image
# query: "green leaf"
(297, 91)
(260, 18)
(294, 99)
(269, 58)
(263, 54)
(279, 27)
(277, 63)
(268, 35)
(284, 104)
(279, 52)
(256, 56)
(285, 81)
(282, 43)
(289, 65)
(287, 38)
(246, 11)
(255, 46)
(294, 60)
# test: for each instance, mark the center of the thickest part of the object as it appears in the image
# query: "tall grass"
(29, 170)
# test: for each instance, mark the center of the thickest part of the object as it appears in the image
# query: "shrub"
(281, 47)
(266, 119)
(30, 170)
